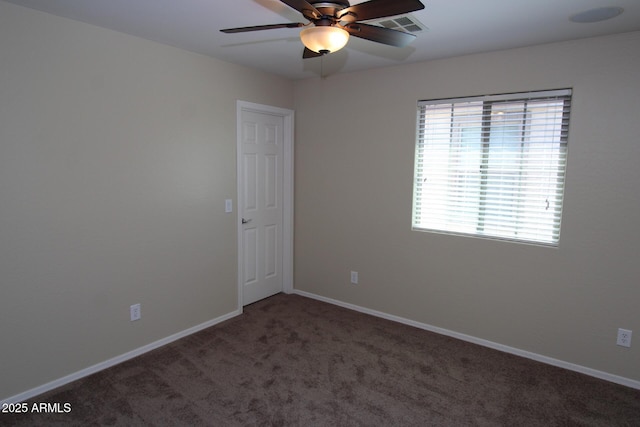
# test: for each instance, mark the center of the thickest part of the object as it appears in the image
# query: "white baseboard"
(116, 360)
(512, 350)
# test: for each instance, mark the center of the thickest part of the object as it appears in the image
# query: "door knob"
(246, 221)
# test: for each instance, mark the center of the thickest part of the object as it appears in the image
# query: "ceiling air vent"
(406, 23)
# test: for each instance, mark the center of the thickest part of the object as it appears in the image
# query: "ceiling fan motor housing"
(329, 11)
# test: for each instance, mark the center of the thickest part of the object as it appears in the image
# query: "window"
(493, 166)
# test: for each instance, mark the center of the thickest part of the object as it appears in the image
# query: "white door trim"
(287, 230)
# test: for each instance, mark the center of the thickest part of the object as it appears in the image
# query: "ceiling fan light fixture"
(324, 39)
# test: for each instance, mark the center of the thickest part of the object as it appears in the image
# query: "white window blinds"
(493, 166)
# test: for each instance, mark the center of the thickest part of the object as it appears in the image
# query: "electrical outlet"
(624, 337)
(354, 277)
(135, 312)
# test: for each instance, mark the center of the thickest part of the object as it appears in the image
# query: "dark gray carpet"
(290, 360)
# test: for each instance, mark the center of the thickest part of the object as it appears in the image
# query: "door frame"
(287, 192)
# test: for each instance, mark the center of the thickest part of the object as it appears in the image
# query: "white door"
(261, 203)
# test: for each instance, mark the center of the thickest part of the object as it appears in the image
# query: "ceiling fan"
(331, 23)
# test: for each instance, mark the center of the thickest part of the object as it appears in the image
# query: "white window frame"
(493, 166)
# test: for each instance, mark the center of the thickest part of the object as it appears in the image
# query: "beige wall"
(354, 164)
(116, 155)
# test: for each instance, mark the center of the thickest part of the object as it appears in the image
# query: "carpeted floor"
(294, 361)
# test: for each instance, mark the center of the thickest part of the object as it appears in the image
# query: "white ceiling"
(455, 27)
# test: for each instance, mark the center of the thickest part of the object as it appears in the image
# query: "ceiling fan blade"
(262, 27)
(308, 53)
(375, 9)
(307, 9)
(380, 34)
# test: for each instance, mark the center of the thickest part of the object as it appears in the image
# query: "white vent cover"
(406, 23)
